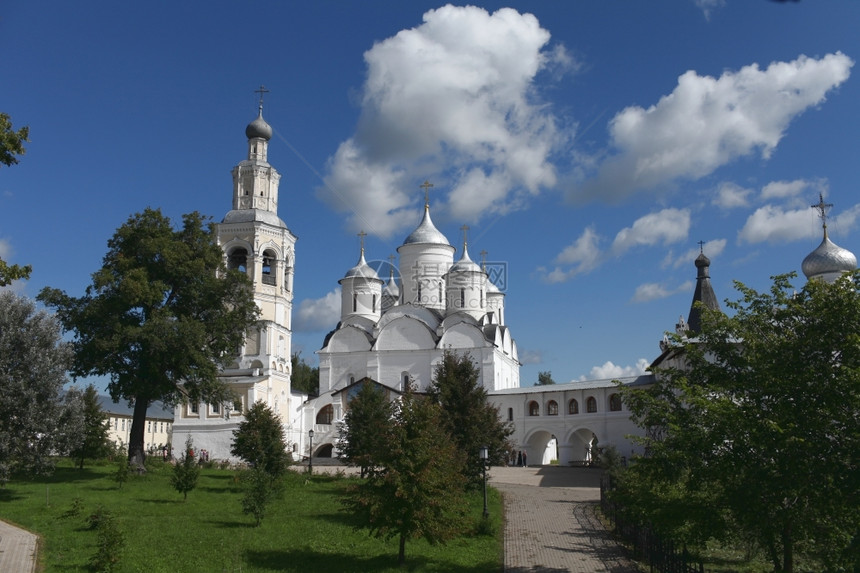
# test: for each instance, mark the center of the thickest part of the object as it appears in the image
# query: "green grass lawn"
(304, 531)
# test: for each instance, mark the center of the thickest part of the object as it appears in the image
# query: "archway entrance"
(580, 448)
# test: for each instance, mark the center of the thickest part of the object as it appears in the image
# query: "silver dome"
(259, 128)
(828, 258)
(426, 232)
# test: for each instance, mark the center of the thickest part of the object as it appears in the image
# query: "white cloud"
(583, 254)
(706, 6)
(5, 249)
(318, 314)
(655, 291)
(708, 122)
(774, 224)
(730, 195)
(452, 97)
(666, 227)
(609, 370)
(788, 189)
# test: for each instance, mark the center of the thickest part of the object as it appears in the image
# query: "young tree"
(418, 490)
(361, 435)
(470, 419)
(260, 489)
(33, 364)
(304, 378)
(94, 441)
(545, 378)
(259, 440)
(762, 421)
(186, 471)
(161, 317)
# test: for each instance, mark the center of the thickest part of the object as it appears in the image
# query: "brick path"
(17, 550)
(551, 524)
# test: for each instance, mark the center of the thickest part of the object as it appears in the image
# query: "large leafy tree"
(757, 428)
(33, 365)
(259, 440)
(162, 316)
(417, 492)
(11, 141)
(361, 435)
(469, 417)
(12, 145)
(304, 378)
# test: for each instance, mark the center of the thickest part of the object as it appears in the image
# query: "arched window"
(325, 415)
(374, 304)
(573, 407)
(591, 405)
(352, 379)
(268, 268)
(615, 403)
(238, 259)
(534, 408)
(552, 408)
(510, 414)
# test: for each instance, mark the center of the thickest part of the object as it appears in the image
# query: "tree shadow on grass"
(233, 524)
(307, 560)
(8, 494)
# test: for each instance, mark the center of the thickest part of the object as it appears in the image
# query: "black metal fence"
(659, 554)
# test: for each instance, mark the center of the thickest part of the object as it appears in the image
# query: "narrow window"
(354, 303)
(615, 403)
(591, 405)
(552, 408)
(510, 414)
(462, 298)
(194, 409)
(216, 408)
(374, 304)
(419, 292)
(573, 407)
(534, 408)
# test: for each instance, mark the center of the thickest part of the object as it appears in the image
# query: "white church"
(395, 332)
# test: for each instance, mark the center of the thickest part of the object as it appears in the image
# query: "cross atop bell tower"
(255, 182)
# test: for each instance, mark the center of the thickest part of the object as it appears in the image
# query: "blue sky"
(589, 145)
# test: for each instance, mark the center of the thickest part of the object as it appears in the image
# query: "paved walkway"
(17, 550)
(551, 525)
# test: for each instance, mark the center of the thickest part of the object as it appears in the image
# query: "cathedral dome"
(362, 270)
(259, 128)
(828, 259)
(465, 264)
(426, 232)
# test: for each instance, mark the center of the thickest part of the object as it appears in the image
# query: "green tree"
(14, 272)
(760, 419)
(162, 316)
(33, 364)
(361, 435)
(11, 141)
(186, 471)
(11, 145)
(545, 378)
(418, 490)
(304, 378)
(260, 489)
(94, 441)
(469, 417)
(259, 440)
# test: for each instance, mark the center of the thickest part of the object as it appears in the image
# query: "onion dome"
(259, 128)
(828, 260)
(426, 232)
(362, 270)
(465, 264)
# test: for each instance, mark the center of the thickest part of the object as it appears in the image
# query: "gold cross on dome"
(426, 186)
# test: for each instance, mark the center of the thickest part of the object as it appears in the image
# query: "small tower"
(361, 290)
(828, 261)
(466, 285)
(704, 292)
(495, 298)
(425, 257)
(391, 292)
